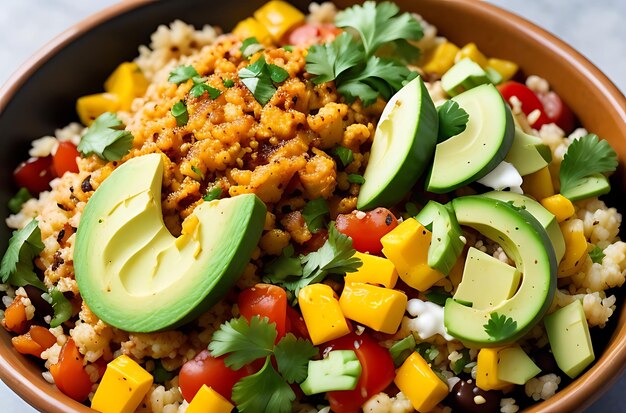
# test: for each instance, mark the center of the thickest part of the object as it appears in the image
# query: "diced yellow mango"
(208, 400)
(505, 68)
(441, 59)
(471, 51)
(575, 248)
(375, 270)
(561, 207)
(251, 27)
(279, 17)
(376, 307)
(322, 314)
(538, 184)
(419, 383)
(487, 370)
(127, 82)
(123, 387)
(406, 246)
(91, 106)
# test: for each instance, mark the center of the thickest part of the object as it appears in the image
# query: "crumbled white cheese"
(503, 176)
(428, 319)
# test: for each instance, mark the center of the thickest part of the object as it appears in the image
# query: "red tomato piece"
(528, 98)
(64, 160)
(35, 174)
(206, 369)
(377, 372)
(367, 231)
(265, 300)
(296, 324)
(69, 375)
(313, 33)
(315, 243)
(557, 111)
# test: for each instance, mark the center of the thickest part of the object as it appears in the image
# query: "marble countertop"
(595, 28)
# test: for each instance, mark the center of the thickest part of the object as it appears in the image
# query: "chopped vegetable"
(243, 341)
(340, 370)
(597, 255)
(61, 306)
(179, 111)
(315, 213)
(263, 392)
(106, 138)
(197, 171)
(200, 88)
(345, 155)
(401, 350)
(458, 365)
(500, 327)
(182, 74)
(250, 46)
(16, 267)
(160, 374)
(16, 202)
(292, 355)
(452, 120)
(438, 296)
(356, 179)
(260, 79)
(15, 317)
(214, 193)
(228, 83)
(37, 340)
(35, 174)
(70, 376)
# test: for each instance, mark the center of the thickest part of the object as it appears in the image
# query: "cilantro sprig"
(106, 138)
(261, 78)
(500, 327)
(314, 214)
(61, 306)
(345, 155)
(183, 73)
(16, 266)
(180, 113)
(356, 179)
(268, 390)
(213, 194)
(584, 158)
(597, 255)
(452, 120)
(16, 202)
(250, 46)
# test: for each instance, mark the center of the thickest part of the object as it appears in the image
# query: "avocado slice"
(525, 153)
(514, 366)
(339, 370)
(464, 75)
(136, 276)
(524, 240)
(477, 150)
(447, 242)
(545, 217)
(403, 146)
(593, 185)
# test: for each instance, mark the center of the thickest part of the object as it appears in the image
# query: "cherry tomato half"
(206, 369)
(377, 372)
(64, 160)
(530, 101)
(265, 300)
(69, 375)
(35, 174)
(557, 111)
(367, 231)
(313, 33)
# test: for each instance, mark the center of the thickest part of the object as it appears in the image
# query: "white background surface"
(595, 27)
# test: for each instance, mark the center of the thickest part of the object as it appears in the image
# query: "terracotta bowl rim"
(581, 393)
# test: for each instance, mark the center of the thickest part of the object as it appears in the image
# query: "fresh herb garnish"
(438, 296)
(182, 74)
(197, 171)
(106, 138)
(17, 266)
(284, 266)
(160, 374)
(268, 390)
(597, 255)
(356, 179)
(585, 157)
(214, 193)
(288, 48)
(16, 202)
(260, 78)
(500, 327)
(228, 83)
(458, 365)
(452, 120)
(179, 111)
(427, 351)
(314, 214)
(250, 46)
(401, 350)
(61, 306)
(198, 90)
(345, 155)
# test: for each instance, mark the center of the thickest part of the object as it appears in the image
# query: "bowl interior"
(41, 98)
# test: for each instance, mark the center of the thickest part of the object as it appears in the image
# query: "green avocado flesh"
(526, 242)
(594, 185)
(464, 75)
(477, 150)
(514, 366)
(135, 275)
(402, 148)
(526, 153)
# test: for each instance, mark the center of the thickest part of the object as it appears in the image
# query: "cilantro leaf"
(16, 266)
(345, 155)
(228, 83)
(585, 157)
(182, 74)
(179, 111)
(597, 255)
(16, 202)
(283, 267)
(379, 23)
(106, 138)
(314, 214)
(214, 193)
(438, 296)
(452, 120)
(292, 357)
(197, 171)
(250, 46)
(335, 257)
(401, 350)
(160, 374)
(277, 73)
(61, 306)
(356, 179)
(258, 80)
(263, 392)
(198, 90)
(243, 342)
(330, 60)
(500, 327)
(427, 351)
(458, 366)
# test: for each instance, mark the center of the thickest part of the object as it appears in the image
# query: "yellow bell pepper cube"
(123, 387)
(505, 68)
(441, 59)
(406, 246)
(251, 27)
(375, 270)
(538, 184)
(471, 51)
(322, 313)
(127, 82)
(208, 400)
(91, 106)
(487, 370)
(379, 308)
(279, 17)
(575, 248)
(561, 207)
(417, 381)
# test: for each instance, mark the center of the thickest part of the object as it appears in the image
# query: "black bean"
(86, 185)
(545, 361)
(42, 307)
(463, 394)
